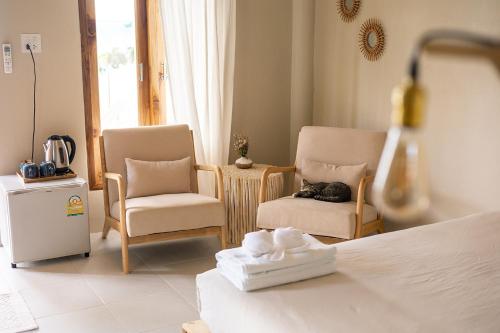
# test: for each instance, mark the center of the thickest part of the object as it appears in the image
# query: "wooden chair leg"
(105, 228)
(124, 251)
(125, 258)
(222, 237)
(381, 227)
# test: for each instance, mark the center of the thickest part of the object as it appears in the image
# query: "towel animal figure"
(288, 238)
(330, 192)
(258, 243)
(273, 245)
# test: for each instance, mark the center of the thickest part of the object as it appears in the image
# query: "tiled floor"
(77, 294)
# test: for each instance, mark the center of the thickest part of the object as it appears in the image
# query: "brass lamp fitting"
(408, 104)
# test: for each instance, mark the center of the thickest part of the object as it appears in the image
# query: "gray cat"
(333, 192)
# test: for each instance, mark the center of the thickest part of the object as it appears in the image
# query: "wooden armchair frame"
(120, 225)
(362, 229)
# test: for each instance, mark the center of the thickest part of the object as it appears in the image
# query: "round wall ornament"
(372, 39)
(348, 9)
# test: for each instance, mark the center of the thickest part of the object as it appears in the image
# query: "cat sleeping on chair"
(330, 192)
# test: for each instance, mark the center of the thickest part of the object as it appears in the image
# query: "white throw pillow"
(316, 172)
(146, 178)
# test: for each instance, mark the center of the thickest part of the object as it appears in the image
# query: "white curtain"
(200, 42)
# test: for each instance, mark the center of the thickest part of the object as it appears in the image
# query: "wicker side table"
(241, 190)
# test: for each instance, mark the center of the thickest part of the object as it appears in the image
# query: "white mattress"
(443, 277)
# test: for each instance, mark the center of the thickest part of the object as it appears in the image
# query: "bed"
(443, 277)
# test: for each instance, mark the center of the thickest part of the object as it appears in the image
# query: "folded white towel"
(275, 278)
(228, 266)
(247, 264)
(258, 243)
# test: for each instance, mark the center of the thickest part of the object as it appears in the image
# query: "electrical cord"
(34, 104)
(457, 35)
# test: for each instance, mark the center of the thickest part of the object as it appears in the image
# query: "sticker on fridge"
(74, 207)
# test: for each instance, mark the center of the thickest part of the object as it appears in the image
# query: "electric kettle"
(56, 151)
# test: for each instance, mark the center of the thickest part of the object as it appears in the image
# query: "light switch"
(34, 40)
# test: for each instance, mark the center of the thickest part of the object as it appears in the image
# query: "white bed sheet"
(443, 277)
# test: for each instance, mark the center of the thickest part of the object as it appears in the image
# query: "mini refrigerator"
(43, 220)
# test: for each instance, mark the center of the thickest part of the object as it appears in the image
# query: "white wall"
(273, 93)
(261, 108)
(59, 86)
(462, 133)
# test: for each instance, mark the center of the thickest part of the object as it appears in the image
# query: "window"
(122, 66)
(117, 63)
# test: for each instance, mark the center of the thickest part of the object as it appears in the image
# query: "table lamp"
(400, 188)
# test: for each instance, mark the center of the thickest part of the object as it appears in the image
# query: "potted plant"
(240, 145)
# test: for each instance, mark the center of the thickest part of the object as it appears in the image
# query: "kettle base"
(62, 171)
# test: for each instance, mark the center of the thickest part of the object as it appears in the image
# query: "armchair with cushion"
(161, 215)
(331, 222)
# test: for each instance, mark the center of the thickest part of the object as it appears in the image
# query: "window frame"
(151, 97)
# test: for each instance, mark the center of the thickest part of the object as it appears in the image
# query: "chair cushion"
(170, 212)
(313, 216)
(315, 172)
(146, 178)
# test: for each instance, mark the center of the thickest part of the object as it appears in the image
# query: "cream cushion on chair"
(313, 216)
(170, 212)
(146, 178)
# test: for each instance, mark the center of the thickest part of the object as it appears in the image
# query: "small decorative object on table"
(241, 146)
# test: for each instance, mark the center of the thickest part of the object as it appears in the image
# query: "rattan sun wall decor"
(372, 39)
(348, 9)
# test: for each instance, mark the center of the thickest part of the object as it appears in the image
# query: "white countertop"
(12, 183)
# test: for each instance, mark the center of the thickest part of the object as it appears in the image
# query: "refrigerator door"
(48, 222)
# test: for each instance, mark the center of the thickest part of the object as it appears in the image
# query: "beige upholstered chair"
(157, 217)
(329, 221)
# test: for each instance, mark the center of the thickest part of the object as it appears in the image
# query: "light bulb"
(400, 185)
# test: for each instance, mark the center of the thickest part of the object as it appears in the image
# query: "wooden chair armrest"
(218, 176)
(265, 176)
(114, 176)
(121, 192)
(360, 203)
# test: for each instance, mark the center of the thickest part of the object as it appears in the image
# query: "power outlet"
(34, 41)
